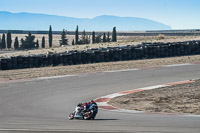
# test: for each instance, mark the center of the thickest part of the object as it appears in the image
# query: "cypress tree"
(108, 37)
(43, 42)
(98, 38)
(16, 43)
(9, 40)
(114, 35)
(37, 44)
(83, 36)
(0, 42)
(3, 42)
(76, 36)
(93, 37)
(85, 39)
(50, 37)
(64, 40)
(73, 42)
(22, 42)
(104, 37)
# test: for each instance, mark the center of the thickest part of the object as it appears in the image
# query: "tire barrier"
(124, 53)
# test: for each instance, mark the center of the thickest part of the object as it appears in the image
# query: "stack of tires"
(74, 57)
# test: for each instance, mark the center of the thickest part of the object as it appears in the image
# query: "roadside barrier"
(124, 53)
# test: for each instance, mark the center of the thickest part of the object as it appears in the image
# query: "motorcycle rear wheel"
(88, 115)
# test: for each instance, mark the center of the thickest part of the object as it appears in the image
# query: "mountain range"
(33, 21)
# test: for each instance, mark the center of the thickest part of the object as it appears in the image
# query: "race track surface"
(43, 105)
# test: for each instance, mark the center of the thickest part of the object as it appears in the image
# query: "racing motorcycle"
(84, 114)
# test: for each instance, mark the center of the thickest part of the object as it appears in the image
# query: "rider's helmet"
(92, 101)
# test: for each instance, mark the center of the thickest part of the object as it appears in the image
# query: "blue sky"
(179, 14)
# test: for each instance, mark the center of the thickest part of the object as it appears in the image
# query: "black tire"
(88, 115)
(71, 116)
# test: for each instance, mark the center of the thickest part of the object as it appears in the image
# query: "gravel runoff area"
(178, 99)
(92, 68)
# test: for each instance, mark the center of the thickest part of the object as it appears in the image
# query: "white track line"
(4, 129)
(103, 104)
(125, 70)
(136, 69)
(176, 65)
(112, 71)
(113, 95)
(129, 111)
(154, 87)
(55, 77)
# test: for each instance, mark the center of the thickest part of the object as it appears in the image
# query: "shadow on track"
(105, 119)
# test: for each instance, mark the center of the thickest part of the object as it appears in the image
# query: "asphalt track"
(43, 105)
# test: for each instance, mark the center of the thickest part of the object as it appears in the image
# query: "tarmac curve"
(42, 105)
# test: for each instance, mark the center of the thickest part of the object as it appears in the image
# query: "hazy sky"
(179, 14)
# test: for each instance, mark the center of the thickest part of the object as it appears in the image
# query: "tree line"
(5, 42)
(29, 41)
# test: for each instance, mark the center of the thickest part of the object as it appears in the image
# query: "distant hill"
(32, 21)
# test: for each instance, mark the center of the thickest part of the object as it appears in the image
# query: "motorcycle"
(84, 114)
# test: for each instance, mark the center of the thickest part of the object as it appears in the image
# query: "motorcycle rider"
(90, 106)
(93, 105)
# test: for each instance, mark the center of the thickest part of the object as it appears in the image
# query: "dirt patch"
(183, 98)
(90, 68)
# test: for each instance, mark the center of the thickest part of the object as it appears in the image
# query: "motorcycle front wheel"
(71, 116)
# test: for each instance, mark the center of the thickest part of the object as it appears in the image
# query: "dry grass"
(161, 37)
(90, 68)
(122, 41)
(183, 98)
